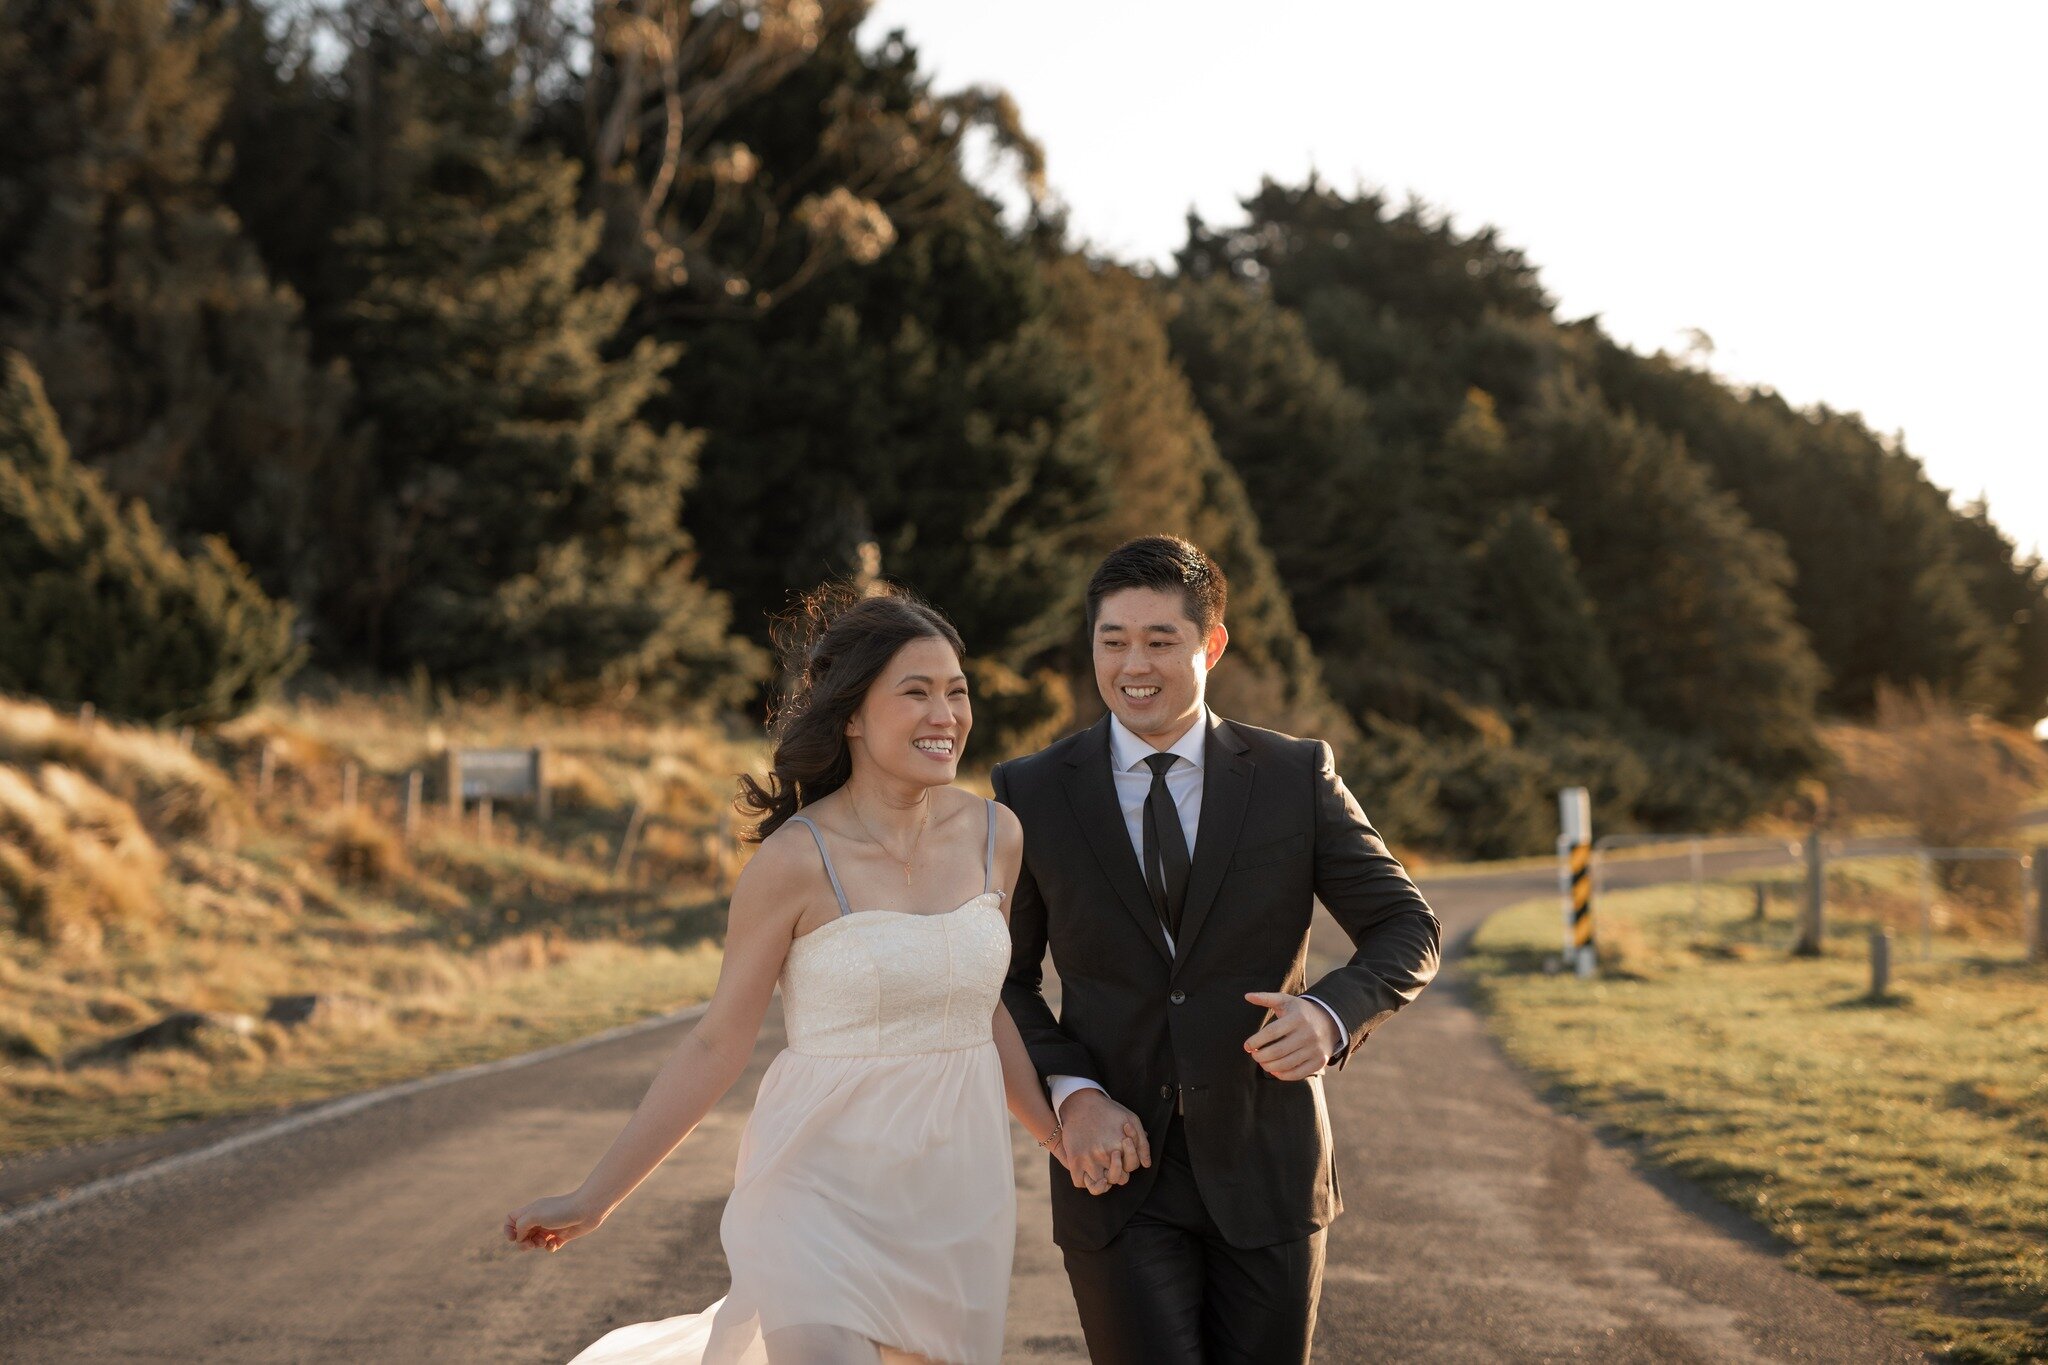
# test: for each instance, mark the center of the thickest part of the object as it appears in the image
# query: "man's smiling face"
(1152, 662)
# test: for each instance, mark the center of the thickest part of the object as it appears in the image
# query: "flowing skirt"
(874, 1195)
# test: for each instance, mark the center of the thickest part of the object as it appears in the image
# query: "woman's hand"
(1057, 1147)
(552, 1223)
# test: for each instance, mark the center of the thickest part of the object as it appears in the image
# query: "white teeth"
(934, 746)
(1141, 692)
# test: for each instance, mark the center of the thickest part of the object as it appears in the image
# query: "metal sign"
(498, 773)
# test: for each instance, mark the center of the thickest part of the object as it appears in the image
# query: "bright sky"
(1848, 198)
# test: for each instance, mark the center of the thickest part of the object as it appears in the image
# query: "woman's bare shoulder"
(778, 879)
(1009, 829)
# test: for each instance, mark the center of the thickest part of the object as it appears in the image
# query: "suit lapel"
(1091, 791)
(1226, 794)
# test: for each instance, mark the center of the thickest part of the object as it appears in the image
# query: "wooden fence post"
(1812, 923)
(1880, 963)
(624, 862)
(2037, 940)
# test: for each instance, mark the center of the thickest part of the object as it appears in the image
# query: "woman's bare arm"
(1022, 1088)
(767, 903)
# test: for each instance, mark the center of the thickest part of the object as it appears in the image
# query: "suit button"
(1179, 997)
(1165, 1092)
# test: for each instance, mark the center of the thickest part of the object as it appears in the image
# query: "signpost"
(1575, 877)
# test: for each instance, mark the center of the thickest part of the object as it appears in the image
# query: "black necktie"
(1166, 849)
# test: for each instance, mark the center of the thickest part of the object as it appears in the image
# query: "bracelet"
(1049, 1142)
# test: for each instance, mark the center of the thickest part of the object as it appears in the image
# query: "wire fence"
(1976, 894)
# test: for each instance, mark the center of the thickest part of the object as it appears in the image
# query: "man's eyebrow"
(1169, 626)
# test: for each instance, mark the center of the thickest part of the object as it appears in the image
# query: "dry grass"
(1900, 1147)
(74, 861)
(137, 878)
(1954, 780)
(174, 794)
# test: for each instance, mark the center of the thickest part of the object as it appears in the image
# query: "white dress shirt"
(1127, 755)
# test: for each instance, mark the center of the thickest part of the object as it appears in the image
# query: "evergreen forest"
(545, 349)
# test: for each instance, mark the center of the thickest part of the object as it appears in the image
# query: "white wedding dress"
(874, 1194)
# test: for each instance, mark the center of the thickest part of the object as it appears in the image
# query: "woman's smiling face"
(913, 723)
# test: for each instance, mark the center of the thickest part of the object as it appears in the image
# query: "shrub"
(1957, 780)
(95, 604)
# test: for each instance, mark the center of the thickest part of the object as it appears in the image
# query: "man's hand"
(1297, 1041)
(1104, 1142)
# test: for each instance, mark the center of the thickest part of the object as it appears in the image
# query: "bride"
(873, 1212)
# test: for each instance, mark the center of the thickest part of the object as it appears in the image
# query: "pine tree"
(1691, 596)
(921, 411)
(179, 369)
(1166, 476)
(521, 520)
(1380, 579)
(2012, 592)
(1556, 656)
(1879, 584)
(95, 606)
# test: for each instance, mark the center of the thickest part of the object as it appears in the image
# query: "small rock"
(294, 1010)
(180, 1028)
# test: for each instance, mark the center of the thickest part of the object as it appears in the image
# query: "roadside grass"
(1899, 1147)
(449, 1017)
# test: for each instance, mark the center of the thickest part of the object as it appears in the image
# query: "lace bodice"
(886, 983)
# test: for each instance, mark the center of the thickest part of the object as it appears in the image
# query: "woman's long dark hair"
(833, 647)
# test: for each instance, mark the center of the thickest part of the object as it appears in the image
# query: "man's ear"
(1213, 647)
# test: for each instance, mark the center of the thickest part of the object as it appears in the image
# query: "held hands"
(1298, 1039)
(1103, 1142)
(552, 1223)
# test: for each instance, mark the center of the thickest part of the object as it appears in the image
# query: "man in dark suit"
(1171, 861)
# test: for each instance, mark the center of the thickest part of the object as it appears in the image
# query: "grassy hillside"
(139, 879)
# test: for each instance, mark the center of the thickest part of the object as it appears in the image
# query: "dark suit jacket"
(1278, 831)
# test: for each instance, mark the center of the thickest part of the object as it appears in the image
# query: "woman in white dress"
(873, 1211)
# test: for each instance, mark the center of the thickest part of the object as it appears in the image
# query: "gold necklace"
(915, 839)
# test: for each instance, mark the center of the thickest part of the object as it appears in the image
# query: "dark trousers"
(1168, 1290)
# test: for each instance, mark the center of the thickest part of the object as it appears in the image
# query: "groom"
(1172, 860)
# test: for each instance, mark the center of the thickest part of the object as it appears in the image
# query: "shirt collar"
(1127, 751)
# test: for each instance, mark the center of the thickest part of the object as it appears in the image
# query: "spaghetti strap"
(988, 873)
(830, 871)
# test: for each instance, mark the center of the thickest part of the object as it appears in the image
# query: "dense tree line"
(548, 347)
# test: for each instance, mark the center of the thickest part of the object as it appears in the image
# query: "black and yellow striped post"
(1575, 877)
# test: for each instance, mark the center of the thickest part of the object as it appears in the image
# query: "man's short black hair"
(1169, 564)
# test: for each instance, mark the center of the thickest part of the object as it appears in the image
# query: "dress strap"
(830, 871)
(988, 873)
